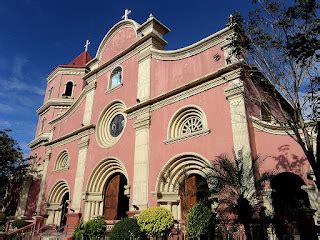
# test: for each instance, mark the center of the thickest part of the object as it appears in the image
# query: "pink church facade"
(120, 131)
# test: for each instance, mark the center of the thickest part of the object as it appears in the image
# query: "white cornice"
(272, 128)
(220, 37)
(40, 140)
(55, 102)
(72, 136)
(65, 71)
(216, 78)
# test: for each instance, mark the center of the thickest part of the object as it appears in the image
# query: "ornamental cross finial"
(86, 45)
(126, 14)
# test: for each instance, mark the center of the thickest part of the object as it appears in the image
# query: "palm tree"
(232, 181)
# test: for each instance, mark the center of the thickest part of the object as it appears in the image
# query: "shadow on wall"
(289, 162)
(31, 206)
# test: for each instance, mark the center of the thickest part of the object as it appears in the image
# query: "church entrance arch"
(193, 189)
(57, 204)
(108, 191)
(64, 209)
(116, 203)
(182, 183)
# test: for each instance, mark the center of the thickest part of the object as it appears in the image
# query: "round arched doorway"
(193, 189)
(288, 199)
(64, 210)
(116, 202)
(287, 195)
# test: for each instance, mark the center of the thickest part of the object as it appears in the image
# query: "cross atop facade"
(126, 14)
(86, 45)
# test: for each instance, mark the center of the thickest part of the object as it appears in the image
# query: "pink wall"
(281, 154)
(71, 122)
(219, 141)
(168, 75)
(68, 175)
(118, 42)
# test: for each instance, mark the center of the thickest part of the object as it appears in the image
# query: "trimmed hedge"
(155, 221)
(199, 220)
(95, 228)
(126, 228)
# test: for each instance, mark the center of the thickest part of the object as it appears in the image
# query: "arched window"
(43, 121)
(265, 112)
(187, 122)
(50, 93)
(62, 161)
(69, 88)
(116, 77)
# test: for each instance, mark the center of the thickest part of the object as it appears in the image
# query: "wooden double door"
(116, 203)
(192, 190)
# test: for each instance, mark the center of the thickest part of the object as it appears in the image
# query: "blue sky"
(37, 35)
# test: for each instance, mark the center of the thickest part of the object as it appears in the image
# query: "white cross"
(86, 46)
(126, 14)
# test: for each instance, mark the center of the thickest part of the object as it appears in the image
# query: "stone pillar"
(81, 166)
(141, 159)
(144, 75)
(93, 205)
(44, 175)
(267, 201)
(23, 198)
(313, 198)
(89, 103)
(240, 131)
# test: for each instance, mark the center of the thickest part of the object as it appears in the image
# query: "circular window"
(116, 126)
(111, 124)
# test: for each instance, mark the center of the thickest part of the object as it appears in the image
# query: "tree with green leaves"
(13, 169)
(232, 182)
(280, 44)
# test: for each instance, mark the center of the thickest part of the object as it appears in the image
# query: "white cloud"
(5, 124)
(4, 108)
(14, 84)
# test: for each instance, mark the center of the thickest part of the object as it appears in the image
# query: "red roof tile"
(79, 62)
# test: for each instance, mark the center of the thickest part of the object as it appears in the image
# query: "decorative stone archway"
(98, 181)
(173, 174)
(57, 204)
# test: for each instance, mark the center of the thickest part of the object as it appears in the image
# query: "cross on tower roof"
(86, 46)
(126, 14)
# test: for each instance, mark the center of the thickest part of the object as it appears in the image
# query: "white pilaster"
(89, 104)
(141, 159)
(81, 166)
(44, 175)
(144, 76)
(240, 131)
(23, 198)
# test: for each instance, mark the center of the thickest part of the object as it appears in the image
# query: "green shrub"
(78, 233)
(2, 228)
(155, 221)
(199, 220)
(3, 219)
(95, 228)
(126, 228)
(19, 223)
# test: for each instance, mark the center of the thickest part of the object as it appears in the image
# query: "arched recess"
(187, 122)
(101, 176)
(57, 204)
(288, 198)
(181, 169)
